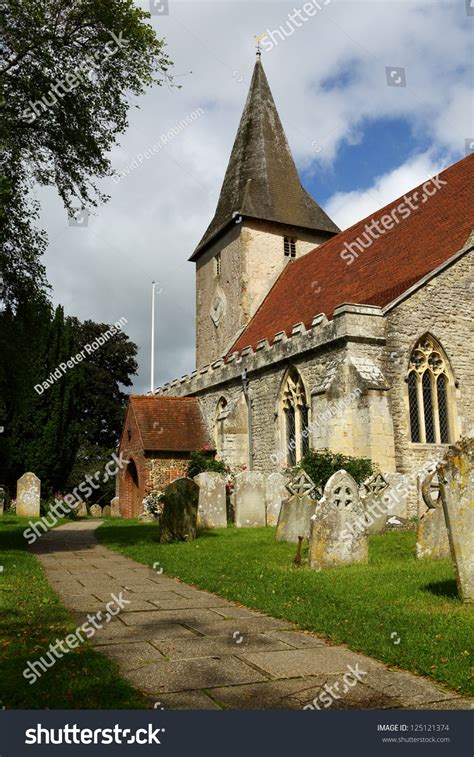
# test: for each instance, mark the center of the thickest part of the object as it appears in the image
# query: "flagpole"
(152, 377)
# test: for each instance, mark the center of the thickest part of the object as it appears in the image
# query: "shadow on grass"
(442, 589)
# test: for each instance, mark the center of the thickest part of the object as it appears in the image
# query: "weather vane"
(259, 49)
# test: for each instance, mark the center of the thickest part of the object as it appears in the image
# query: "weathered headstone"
(2, 499)
(95, 511)
(106, 511)
(456, 475)
(249, 499)
(28, 493)
(115, 507)
(338, 532)
(295, 518)
(81, 510)
(212, 509)
(374, 506)
(297, 510)
(275, 494)
(431, 534)
(179, 519)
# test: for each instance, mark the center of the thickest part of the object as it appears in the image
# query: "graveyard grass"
(31, 618)
(368, 607)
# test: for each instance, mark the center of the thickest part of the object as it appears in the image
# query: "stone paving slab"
(188, 649)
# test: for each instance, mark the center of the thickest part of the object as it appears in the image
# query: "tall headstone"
(115, 507)
(374, 506)
(28, 494)
(431, 534)
(2, 499)
(179, 519)
(297, 510)
(212, 508)
(338, 531)
(249, 499)
(81, 510)
(275, 493)
(456, 475)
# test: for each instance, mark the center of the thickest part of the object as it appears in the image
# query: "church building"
(311, 337)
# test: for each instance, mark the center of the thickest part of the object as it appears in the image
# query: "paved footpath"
(188, 649)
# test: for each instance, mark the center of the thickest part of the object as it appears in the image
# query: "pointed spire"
(261, 180)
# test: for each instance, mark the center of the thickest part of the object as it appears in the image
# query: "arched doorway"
(132, 488)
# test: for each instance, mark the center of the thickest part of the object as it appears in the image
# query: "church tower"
(263, 220)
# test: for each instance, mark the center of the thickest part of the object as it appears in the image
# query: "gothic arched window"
(295, 418)
(430, 394)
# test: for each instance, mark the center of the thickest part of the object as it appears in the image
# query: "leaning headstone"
(456, 474)
(249, 499)
(431, 534)
(115, 507)
(212, 509)
(2, 499)
(297, 511)
(375, 507)
(95, 511)
(106, 511)
(275, 494)
(338, 531)
(179, 519)
(28, 493)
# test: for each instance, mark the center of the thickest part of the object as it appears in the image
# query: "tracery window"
(295, 417)
(430, 394)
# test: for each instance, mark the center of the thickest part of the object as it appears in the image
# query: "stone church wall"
(444, 307)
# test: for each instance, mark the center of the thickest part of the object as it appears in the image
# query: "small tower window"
(217, 264)
(289, 247)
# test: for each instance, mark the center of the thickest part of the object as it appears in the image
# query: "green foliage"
(200, 462)
(71, 428)
(321, 464)
(111, 51)
(32, 618)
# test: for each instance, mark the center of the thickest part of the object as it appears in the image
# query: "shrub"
(321, 464)
(200, 462)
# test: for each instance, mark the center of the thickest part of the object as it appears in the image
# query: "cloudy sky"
(358, 143)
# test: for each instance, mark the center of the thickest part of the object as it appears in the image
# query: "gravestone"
(338, 532)
(28, 493)
(375, 508)
(212, 508)
(431, 534)
(456, 477)
(297, 511)
(95, 511)
(249, 499)
(275, 493)
(81, 510)
(106, 511)
(179, 519)
(115, 507)
(2, 499)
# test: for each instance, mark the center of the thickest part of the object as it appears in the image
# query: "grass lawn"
(32, 617)
(368, 607)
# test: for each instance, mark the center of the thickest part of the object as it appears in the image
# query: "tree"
(66, 68)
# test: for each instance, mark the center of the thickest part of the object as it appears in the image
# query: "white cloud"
(158, 213)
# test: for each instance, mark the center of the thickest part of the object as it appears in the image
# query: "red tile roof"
(320, 280)
(171, 424)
